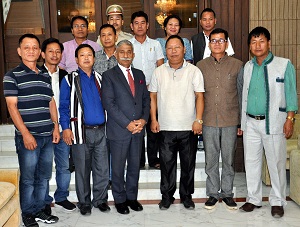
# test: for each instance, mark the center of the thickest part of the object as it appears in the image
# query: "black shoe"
(103, 207)
(45, 218)
(134, 205)
(277, 211)
(211, 203)
(67, 205)
(47, 209)
(165, 204)
(29, 221)
(122, 208)
(188, 203)
(85, 210)
(231, 205)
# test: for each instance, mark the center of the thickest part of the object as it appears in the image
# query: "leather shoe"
(277, 211)
(122, 208)
(134, 205)
(85, 210)
(248, 207)
(103, 207)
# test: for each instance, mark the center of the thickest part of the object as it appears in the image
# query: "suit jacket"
(198, 47)
(121, 106)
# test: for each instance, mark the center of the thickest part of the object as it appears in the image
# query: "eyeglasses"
(79, 26)
(220, 41)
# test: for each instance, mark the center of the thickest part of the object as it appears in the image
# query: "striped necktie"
(131, 82)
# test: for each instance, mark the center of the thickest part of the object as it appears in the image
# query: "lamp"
(165, 7)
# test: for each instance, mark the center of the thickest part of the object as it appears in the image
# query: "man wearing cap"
(114, 15)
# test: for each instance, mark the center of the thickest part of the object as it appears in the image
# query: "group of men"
(100, 99)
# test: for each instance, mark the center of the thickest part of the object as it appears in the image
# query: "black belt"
(94, 126)
(257, 117)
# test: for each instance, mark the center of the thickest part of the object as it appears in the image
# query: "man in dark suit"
(52, 52)
(200, 41)
(126, 100)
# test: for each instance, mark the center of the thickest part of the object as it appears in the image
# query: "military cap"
(114, 9)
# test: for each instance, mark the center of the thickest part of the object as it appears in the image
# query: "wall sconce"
(165, 7)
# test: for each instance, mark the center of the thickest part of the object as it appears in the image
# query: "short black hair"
(217, 31)
(28, 35)
(171, 17)
(174, 37)
(107, 26)
(139, 14)
(49, 41)
(83, 46)
(80, 18)
(207, 10)
(256, 32)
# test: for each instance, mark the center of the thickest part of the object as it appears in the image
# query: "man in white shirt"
(148, 56)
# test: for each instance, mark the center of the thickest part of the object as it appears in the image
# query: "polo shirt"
(34, 93)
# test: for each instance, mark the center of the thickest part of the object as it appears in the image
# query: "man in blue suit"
(126, 100)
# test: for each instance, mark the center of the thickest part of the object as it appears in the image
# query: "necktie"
(131, 82)
(98, 86)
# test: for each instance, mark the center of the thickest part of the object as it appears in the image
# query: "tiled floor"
(177, 215)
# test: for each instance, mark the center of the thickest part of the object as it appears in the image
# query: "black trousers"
(171, 142)
(152, 147)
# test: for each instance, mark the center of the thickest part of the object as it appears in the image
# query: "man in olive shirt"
(269, 103)
(223, 86)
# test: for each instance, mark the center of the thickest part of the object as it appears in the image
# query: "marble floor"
(177, 215)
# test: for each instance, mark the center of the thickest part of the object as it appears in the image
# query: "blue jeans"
(63, 174)
(35, 169)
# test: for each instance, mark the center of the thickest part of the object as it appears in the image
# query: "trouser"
(255, 140)
(35, 168)
(91, 156)
(63, 174)
(218, 140)
(170, 143)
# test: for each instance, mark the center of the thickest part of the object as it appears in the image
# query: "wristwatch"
(291, 118)
(199, 121)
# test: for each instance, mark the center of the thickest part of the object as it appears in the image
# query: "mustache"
(126, 59)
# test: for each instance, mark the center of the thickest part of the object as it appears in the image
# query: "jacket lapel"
(122, 78)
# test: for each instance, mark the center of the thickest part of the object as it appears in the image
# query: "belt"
(257, 117)
(94, 126)
(73, 119)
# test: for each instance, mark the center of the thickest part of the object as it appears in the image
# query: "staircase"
(149, 183)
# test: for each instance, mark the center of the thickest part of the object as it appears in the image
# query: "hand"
(239, 132)
(29, 141)
(56, 134)
(132, 127)
(155, 126)
(139, 125)
(68, 136)
(288, 128)
(197, 128)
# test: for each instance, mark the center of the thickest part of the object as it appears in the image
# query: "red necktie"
(131, 82)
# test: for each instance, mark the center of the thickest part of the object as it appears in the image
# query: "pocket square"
(141, 82)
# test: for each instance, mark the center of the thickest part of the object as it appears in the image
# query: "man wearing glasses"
(223, 81)
(79, 28)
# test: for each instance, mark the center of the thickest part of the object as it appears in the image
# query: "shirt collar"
(146, 40)
(266, 61)
(221, 60)
(82, 73)
(184, 64)
(28, 70)
(57, 69)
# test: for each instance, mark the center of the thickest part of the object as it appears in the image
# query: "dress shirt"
(146, 56)
(68, 61)
(124, 70)
(103, 62)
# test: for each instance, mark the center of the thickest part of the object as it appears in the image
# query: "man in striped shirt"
(30, 102)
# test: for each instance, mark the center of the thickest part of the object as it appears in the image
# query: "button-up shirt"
(146, 56)
(68, 61)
